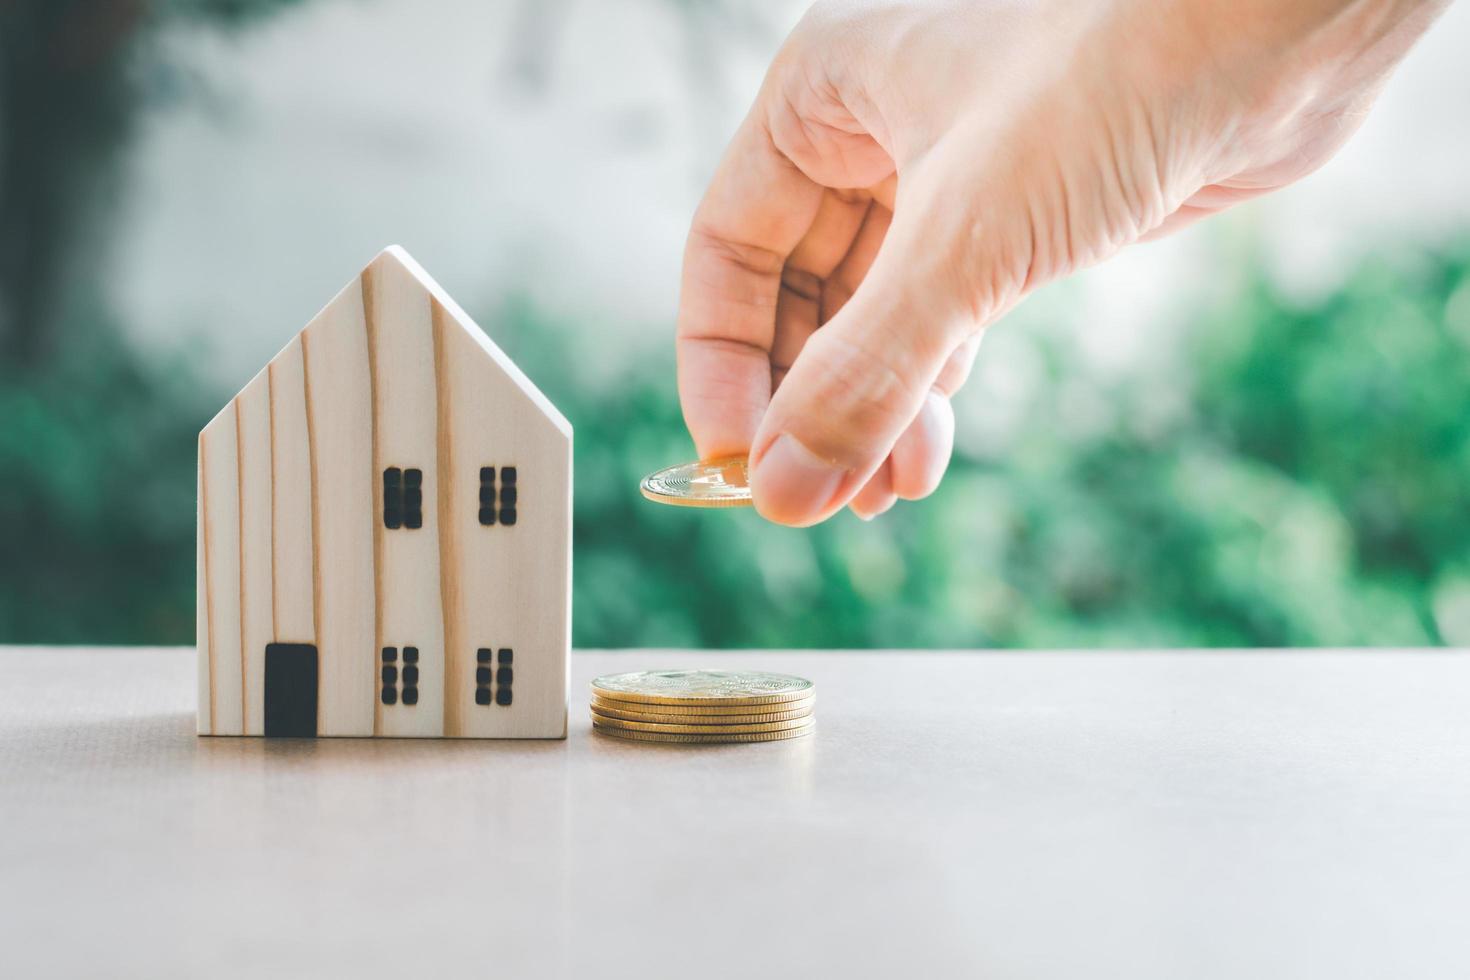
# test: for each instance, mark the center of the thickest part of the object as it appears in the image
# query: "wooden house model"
(385, 531)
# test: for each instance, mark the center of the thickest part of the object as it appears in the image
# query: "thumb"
(859, 382)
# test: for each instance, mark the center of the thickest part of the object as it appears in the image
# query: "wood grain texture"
(409, 605)
(369, 322)
(451, 603)
(221, 499)
(204, 671)
(507, 578)
(291, 526)
(293, 547)
(253, 460)
(339, 408)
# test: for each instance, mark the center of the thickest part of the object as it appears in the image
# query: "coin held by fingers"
(723, 482)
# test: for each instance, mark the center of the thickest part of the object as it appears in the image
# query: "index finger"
(754, 213)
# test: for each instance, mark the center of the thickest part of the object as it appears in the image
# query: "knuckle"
(802, 284)
(753, 259)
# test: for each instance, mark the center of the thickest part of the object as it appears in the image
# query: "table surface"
(1139, 815)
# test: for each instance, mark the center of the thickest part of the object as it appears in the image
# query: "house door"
(290, 690)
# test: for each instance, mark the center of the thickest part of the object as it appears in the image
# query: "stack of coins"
(701, 706)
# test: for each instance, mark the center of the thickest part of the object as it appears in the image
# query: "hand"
(910, 171)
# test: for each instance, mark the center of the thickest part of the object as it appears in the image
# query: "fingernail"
(793, 485)
(860, 507)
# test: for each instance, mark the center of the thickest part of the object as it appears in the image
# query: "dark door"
(290, 690)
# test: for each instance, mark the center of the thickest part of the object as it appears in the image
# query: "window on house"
(390, 675)
(400, 685)
(508, 495)
(497, 507)
(487, 496)
(403, 498)
(492, 683)
(410, 675)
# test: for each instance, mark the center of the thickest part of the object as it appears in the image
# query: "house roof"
(396, 254)
(489, 346)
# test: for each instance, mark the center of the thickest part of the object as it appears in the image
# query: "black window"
(403, 498)
(390, 675)
(400, 684)
(487, 495)
(497, 507)
(508, 495)
(410, 675)
(493, 684)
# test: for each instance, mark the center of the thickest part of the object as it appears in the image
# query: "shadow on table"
(149, 741)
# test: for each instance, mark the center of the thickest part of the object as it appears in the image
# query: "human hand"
(910, 171)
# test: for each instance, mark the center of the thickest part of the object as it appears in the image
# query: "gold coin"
(715, 708)
(703, 687)
(705, 483)
(702, 739)
(632, 711)
(643, 726)
(643, 707)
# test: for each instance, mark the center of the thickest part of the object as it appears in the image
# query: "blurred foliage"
(96, 444)
(70, 76)
(1307, 490)
(97, 502)
(1301, 482)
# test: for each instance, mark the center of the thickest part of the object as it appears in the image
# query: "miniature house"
(385, 531)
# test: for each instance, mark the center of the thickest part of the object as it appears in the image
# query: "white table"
(1132, 815)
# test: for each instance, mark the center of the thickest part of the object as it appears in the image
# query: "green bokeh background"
(1306, 487)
